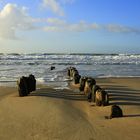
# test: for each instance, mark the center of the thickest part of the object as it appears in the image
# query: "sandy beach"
(50, 114)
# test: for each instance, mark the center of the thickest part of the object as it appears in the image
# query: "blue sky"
(70, 26)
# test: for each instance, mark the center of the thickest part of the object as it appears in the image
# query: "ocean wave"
(50, 63)
(58, 56)
(13, 66)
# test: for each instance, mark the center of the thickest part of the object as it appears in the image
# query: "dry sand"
(50, 114)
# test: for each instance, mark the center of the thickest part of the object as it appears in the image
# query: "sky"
(69, 26)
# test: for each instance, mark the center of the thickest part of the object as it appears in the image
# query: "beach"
(69, 70)
(65, 114)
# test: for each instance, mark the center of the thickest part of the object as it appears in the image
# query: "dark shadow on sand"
(124, 103)
(111, 86)
(60, 94)
(135, 115)
(122, 95)
(103, 80)
(132, 115)
(124, 91)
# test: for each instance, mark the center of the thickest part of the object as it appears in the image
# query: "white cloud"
(57, 25)
(82, 26)
(56, 21)
(54, 6)
(13, 18)
(121, 29)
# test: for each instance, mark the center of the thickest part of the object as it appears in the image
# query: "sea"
(13, 66)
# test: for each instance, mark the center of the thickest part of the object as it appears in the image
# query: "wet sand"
(50, 114)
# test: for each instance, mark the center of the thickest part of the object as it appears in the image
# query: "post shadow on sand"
(115, 88)
(121, 95)
(135, 115)
(63, 94)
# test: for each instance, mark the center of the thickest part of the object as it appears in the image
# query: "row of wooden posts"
(88, 85)
(93, 91)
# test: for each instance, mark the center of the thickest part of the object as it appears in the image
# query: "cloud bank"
(121, 29)
(14, 18)
(57, 25)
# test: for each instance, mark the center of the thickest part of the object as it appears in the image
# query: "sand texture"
(50, 114)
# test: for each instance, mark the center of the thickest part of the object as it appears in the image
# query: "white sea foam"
(40, 80)
(61, 88)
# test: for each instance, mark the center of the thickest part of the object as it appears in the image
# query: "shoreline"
(14, 83)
